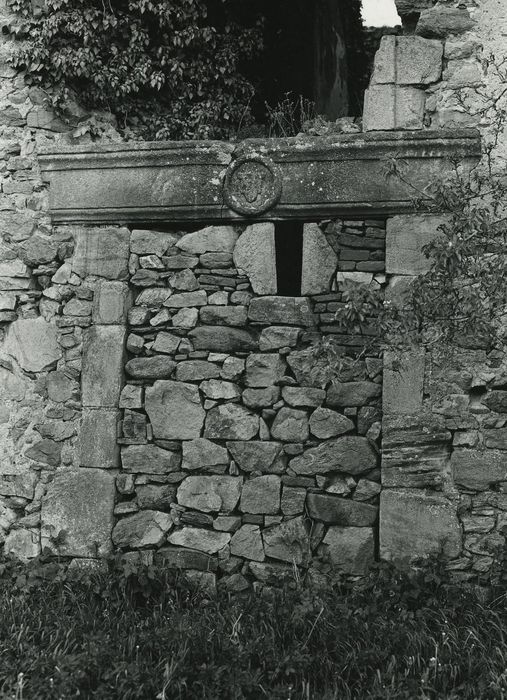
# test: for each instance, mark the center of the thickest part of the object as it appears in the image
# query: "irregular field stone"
(174, 410)
(212, 239)
(203, 454)
(255, 254)
(78, 511)
(496, 400)
(294, 311)
(231, 422)
(218, 389)
(180, 558)
(210, 493)
(340, 511)
(148, 528)
(350, 549)
(186, 299)
(343, 394)
(144, 242)
(21, 484)
(60, 387)
(288, 541)
(403, 383)
(247, 543)
(196, 371)
(23, 544)
(261, 398)
(319, 261)
(439, 22)
(103, 252)
(97, 438)
(305, 397)
(166, 342)
(208, 541)
(45, 452)
(478, 470)
(149, 459)
(102, 372)
(408, 60)
(185, 318)
(33, 344)
(293, 500)
(276, 337)
(326, 423)
(417, 525)
(350, 454)
(261, 495)
(155, 496)
(290, 425)
(223, 315)
(156, 367)
(264, 369)
(223, 339)
(257, 456)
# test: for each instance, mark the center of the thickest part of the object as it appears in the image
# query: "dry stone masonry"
(158, 394)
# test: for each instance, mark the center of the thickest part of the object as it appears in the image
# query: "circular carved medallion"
(253, 184)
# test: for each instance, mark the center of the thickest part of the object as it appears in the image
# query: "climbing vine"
(166, 69)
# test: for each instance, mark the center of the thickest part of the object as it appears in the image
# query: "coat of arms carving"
(252, 185)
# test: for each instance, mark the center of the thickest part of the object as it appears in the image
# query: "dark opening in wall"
(289, 257)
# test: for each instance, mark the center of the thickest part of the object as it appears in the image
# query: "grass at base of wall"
(147, 634)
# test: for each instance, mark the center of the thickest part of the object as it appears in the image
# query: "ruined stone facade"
(158, 394)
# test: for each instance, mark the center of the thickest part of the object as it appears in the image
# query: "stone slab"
(97, 438)
(32, 342)
(77, 512)
(102, 372)
(255, 255)
(406, 235)
(319, 261)
(103, 252)
(403, 383)
(174, 410)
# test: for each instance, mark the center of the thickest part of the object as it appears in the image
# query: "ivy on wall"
(166, 69)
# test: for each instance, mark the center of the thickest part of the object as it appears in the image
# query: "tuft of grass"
(146, 633)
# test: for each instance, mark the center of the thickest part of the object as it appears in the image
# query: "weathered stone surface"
(326, 423)
(261, 398)
(60, 387)
(97, 438)
(403, 383)
(303, 397)
(496, 400)
(111, 302)
(180, 558)
(293, 500)
(342, 394)
(45, 452)
(255, 254)
(350, 454)
(308, 370)
(223, 315)
(496, 438)
(439, 22)
(264, 369)
(21, 483)
(340, 511)
(276, 337)
(319, 261)
(258, 456)
(288, 541)
(203, 454)
(102, 372)
(478, 469)
(174, 410)
(166, 342)
(210, 493)
(78, 510)
(186, 299)
(218, 389)
(405, 237)
(185, 318)
(247, 543)
(149, 459)
(103, 252)
(231, 422)
(144, 242)
(388, 107)
(148, 528)
(290, 425)
(366, 489)
(408, 60)
(292, 311)
(23, 544)
(77, 307)
(196, 371)
(261, 495)
(38, 250)
(156, 367)
(212, 239)
(223, 339)
(232, 368)
(227, 523)
(414, 524)
(131, 396)
(350, 549)
(153, 297)
(208, 541)
(155, 496)
(32, 342)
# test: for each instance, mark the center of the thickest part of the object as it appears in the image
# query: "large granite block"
(102, 373)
